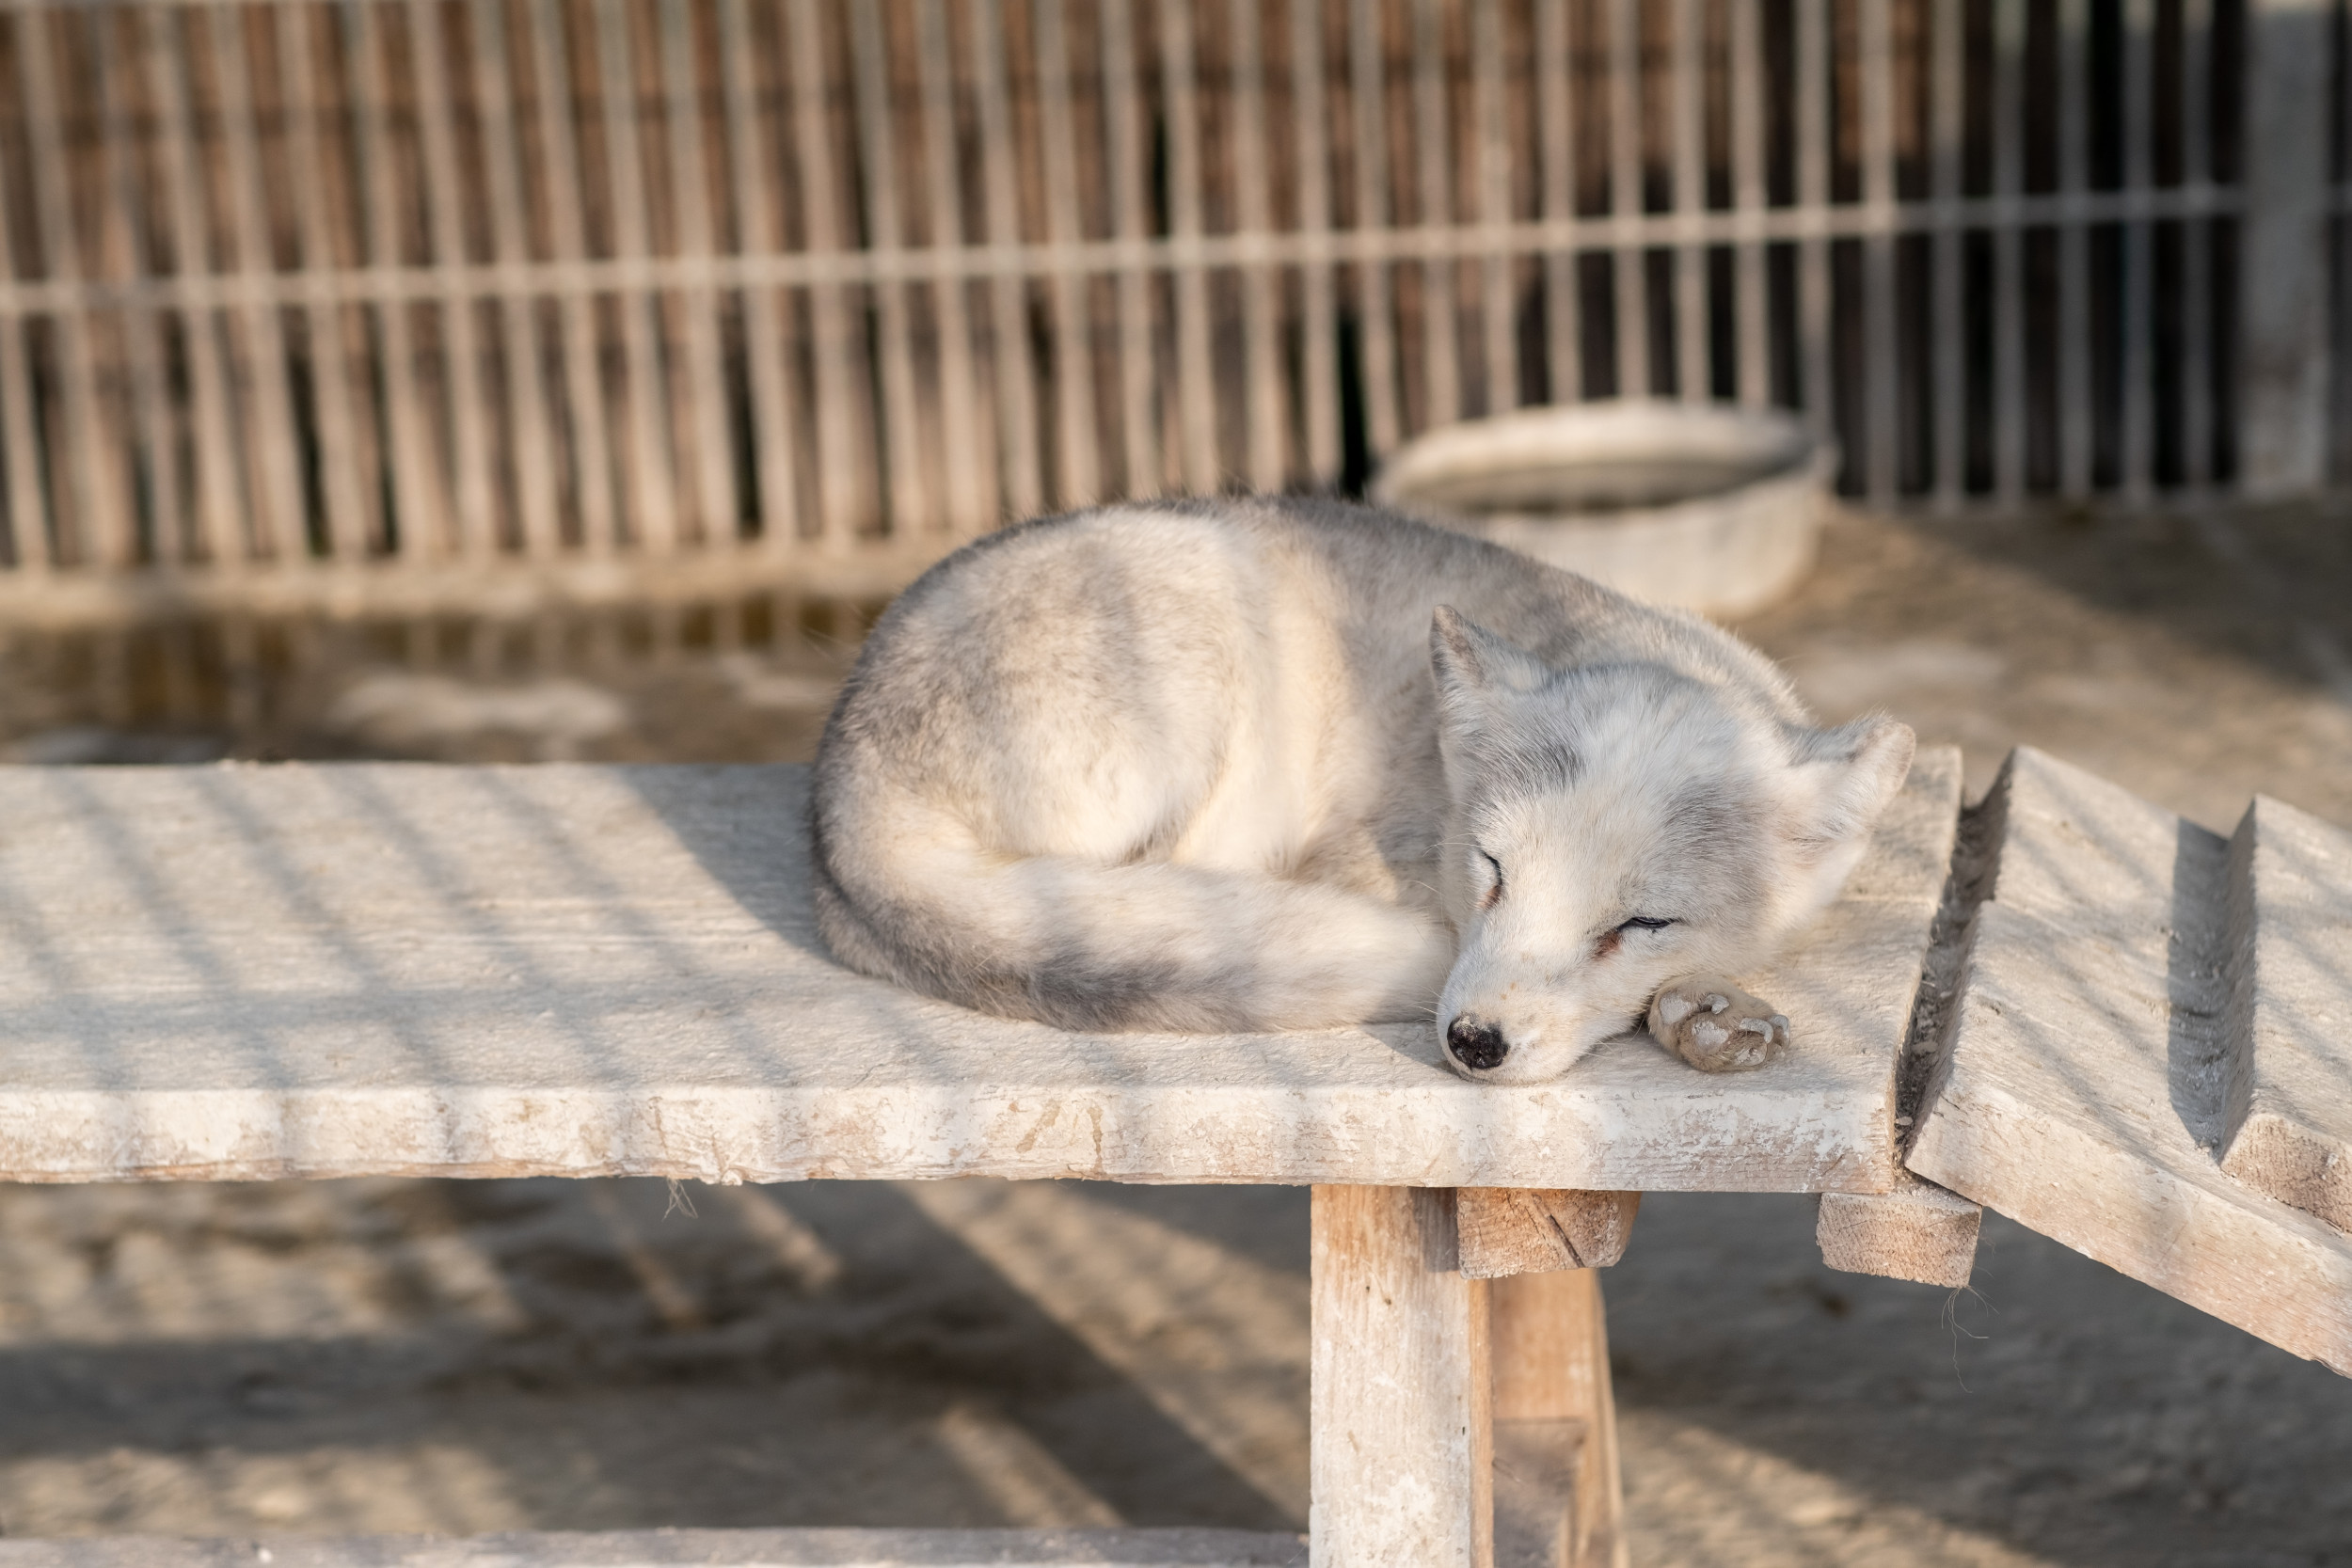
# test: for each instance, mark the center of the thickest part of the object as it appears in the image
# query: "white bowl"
(1708, 507)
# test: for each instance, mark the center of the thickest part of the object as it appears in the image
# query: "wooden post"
(1402, 1460)
(1557, 1499)
(2282, 358)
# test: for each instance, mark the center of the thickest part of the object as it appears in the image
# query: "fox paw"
(1715, 1026)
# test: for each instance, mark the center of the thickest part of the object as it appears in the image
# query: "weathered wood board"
(677, 1548)
(2082, 1089)
(2288, 1107)
(1515, 1230)
(251, 972)
(1919, 1232)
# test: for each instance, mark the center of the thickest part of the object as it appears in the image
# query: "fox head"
(1613, 827)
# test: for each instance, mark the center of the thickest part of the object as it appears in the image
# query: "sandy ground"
(455, 1356)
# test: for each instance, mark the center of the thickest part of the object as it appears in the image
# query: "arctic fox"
(1288, 764)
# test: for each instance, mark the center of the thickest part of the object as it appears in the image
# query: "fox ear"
(1844, 778)
(1471, 661)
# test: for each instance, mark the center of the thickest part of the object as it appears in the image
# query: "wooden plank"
(2288, 1115)
(1401, 1423)
(1918, 1232)
(1559, 1501)
(313, 971)
(677, 1548)
(2083, 1090)
(1515, 1230)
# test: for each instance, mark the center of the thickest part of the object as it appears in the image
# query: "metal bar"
(472, 409)
(705, 393)
(1138, 413)
(1266, 416)
(2139, 322)
(581, 346)
(1008, 311)
(1882, 400)
(2197, 434)
(2074, 397)
(518, 319)
(101, 509)
(1693, 381)
(1317, 304)
(1636, 376)
(1947, 349)
(651, 464)
(1813, 276)
(970, 502)
(1555, 137)
(1750, 194)
(1073, 340)
(1497, 305)
(1440, 295)
(1375, 286)
(1196, 391)
(2008, 281)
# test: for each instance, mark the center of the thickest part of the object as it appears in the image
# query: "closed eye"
(1648, 923)
(1495, 892)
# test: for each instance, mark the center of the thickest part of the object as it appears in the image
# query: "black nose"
(1475, 1043)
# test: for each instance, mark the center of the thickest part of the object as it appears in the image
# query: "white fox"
(1258, 765)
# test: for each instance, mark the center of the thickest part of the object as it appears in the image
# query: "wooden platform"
(2129, 985)
(268, 971)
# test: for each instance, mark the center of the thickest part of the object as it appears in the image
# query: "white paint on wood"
(1918, 1232)
(2288, 1111)
(249, 972)
(1401, 1423)
(2082, 1093)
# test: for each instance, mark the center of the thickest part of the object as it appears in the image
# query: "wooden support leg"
(1558, 1498)
(1401, 1423)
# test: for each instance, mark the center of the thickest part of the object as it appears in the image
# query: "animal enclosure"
(314, 302)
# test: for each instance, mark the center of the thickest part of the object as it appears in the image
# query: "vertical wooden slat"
(1948, 347)
(2075, 423)
(1813, 279)
(1266, 416)
(1550, 1352)
(1750, 197)
(420, 515)
(29, 520)
(1138, 417)
(1636, 376)
(1432, 136)
(1079, 478)
(472, 409)
(581, 346)
(652, 471)
(2139, 316)
(1882, 400)
(1497, 315)
(880, 174)
(2009, 242)
(343, 488)
(517, 315)
(1375, 288)
(2196, 243)
(970, 502)
(1196, 390)
(102, 509)
(1556, 139)
(1692, 381)
(1009, 308)
(707, 392)
(1316, 302)
(774, 469)
(126, 255)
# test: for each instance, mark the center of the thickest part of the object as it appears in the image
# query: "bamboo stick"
(1947, 346)
(1008, 312)
(705, 393)
(2196, 433)
(1636, 376)
(1375, 288)
(1693, 381)
(651, 463)
(1196, 391)
(2074, 422)
(1265, 415)
(1882, 401)
(1555, 135)
(1138, 379)
(1812, 276)
(1752, 304)
(972, 490)
(1079, 479)
(125, 249)
(1440, 298)
(2138, 455)
(1497, 315)
(1317, 304)
(2009, 284)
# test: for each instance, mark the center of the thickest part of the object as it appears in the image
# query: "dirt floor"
(455, 1356)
